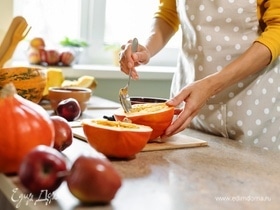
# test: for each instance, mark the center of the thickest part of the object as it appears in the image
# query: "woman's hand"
(196, 94)
(129, 60)
(194, 97)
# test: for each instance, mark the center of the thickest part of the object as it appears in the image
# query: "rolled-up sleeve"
(167, 11)
(269, 14)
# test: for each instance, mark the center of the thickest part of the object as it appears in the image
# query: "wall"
(109, 88)
(6, 15)
(154, 81)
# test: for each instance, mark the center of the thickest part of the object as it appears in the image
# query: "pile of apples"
(39, 54)
(91, 179)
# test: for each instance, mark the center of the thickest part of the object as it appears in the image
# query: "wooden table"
(223, 175)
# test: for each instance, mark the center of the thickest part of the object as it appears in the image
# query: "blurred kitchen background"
(103, 24)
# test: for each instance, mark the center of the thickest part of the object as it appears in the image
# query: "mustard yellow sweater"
(268, 15)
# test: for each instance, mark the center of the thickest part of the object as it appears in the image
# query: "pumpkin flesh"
(156, 115)
(116, 139)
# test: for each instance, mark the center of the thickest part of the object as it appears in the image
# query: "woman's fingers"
(129, 60)
(194, 98)
(179, 124)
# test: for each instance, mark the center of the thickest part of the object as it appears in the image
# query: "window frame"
(92, 17)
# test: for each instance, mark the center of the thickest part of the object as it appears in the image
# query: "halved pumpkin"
(158, 116)
(116, 139)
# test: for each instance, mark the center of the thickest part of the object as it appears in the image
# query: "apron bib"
(214, 34)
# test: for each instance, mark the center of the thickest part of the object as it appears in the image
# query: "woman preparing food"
(228, 75)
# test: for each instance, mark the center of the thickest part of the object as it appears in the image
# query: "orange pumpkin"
(23, 126)
(116, 139)
(156, 115)
(30, 82)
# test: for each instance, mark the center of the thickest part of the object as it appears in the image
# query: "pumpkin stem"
(8, 90)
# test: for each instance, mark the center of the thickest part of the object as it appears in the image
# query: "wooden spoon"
(13, 36)
(8, 36)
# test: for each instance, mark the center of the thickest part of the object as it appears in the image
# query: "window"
(98, 22)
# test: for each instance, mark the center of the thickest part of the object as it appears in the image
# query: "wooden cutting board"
(177, 141)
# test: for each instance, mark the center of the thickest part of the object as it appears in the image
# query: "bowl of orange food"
(158, 116)
(116, 139)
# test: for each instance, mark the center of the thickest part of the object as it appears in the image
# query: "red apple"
(63, 133)
(69, 109)
(42, 169)
(93, 180)
(66, 58)
(43, 55)
(50, 57)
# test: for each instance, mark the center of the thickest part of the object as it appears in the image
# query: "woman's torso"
(215, 32)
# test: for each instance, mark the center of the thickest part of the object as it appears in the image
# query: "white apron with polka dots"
(215, 32)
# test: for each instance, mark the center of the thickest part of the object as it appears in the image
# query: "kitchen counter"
(223, 175)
